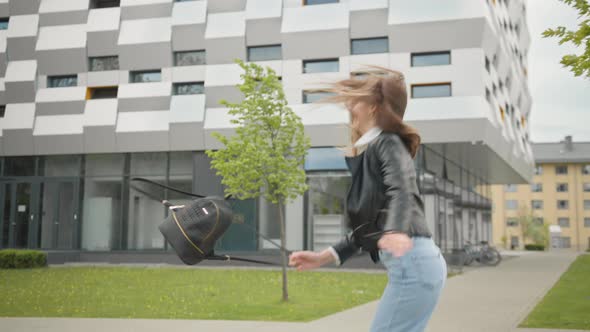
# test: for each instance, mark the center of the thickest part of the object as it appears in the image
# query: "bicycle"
(482, 253)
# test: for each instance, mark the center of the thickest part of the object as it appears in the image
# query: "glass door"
(59, 223)
(18, 211)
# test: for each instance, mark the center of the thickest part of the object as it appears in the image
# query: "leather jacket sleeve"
(396, 167)
(345, 249)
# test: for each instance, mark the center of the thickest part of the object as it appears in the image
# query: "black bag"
(193, 229)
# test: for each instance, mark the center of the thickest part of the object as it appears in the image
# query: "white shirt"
(367, 137)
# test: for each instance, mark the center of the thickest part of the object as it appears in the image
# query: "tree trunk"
(283, 253)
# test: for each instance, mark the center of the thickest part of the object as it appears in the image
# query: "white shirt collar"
(368, 136)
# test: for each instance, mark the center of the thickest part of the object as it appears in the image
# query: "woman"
(384, 207)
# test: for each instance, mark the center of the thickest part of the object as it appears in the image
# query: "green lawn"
(138, 292)
(567, 304)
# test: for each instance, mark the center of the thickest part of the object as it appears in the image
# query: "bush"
(536, 247)
(22, 259)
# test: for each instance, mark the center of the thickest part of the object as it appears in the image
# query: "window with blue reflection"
(322, 159)
(431, 59)
(315, 96)
(431, 90)
(321, 66)
(264, 53)
(369, 45)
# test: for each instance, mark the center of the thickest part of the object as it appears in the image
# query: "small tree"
(531, 228)
(265, 156)
(579, 64)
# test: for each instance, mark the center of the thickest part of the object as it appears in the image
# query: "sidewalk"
(483, 299)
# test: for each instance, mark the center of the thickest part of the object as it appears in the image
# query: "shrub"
(537, 247)
(22, 259)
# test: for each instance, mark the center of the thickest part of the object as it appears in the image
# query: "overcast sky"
(561, 102)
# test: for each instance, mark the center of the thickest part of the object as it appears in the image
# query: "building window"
(2, 110)
(105, 3)
(586, 169)
(563, 204)
(561, 170)
(537, 187)
(561, 187)
(586, 204)
(511, 204)
(189, 88)
(488, 95)
(587, 222)
(62, 81)
(487, 63)
(369, 45)
(4, 23)
(321, 66)
(538, 170)
(102, 93)
(510, 188)
(538, 220)
(103, 63)
(563, 222)
(431, 59)
(361, 75)
(536, 204)
(190, 58)
(314, 96)
(431, 90)
(512, 222)
(264, 53)
(566, 242)
(145, 76)
(586, 186)
(318, 2)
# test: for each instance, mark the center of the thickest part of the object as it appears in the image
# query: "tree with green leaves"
(578, 64)
(532, 229)
(266, 154)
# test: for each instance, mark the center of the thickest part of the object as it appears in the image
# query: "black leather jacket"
(383, 196)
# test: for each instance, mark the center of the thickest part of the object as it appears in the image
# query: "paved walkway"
(482, 299)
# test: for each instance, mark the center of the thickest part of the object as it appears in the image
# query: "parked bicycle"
(482, 253)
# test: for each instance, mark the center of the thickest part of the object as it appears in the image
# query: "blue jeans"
(414, 286)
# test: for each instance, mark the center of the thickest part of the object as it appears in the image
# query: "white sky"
(561, 101)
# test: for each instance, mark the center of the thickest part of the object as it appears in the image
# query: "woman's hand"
(396, 243)
(307, 260)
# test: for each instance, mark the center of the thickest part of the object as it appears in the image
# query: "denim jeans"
(414, 286)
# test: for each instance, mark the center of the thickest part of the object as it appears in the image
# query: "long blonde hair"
(386, 91)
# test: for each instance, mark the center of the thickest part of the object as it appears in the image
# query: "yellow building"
(558, 195)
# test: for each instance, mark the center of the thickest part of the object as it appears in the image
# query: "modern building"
(559, 196)
(96, 92)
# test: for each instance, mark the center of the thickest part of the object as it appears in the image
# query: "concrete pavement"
(482, 299)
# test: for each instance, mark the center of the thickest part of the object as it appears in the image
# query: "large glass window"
(369, 45)
(563, 204)
(145, 76)
(321, 66)
(145, 213)
(103, 63)
(64, 165)
(190, 58)
(431, 59)
(102, 226)
(431, 90)
(325, 159)
(19, 166)
(314, 96)
(62, 81)
(189, 88)
(264, 53)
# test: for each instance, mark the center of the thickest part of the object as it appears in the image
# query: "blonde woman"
(384, 208)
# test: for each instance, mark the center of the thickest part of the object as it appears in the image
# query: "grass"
(140, 292)
(567, 304)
